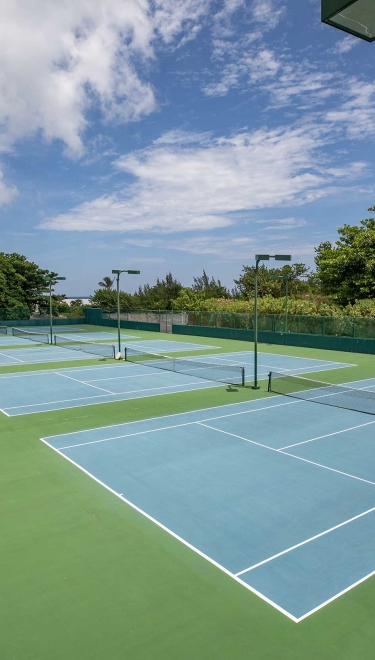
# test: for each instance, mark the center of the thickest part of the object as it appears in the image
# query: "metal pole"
(286, 303)
(50, 310)
(118, 313)
(256, 386)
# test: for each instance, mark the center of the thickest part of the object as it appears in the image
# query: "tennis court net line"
(3, 330)
(337, 396)
(39, 337)
(94, 348)
(220, 373)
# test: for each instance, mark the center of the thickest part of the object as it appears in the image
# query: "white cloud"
(268, 12)
(230, 247)
(345, 45)
(7, 193)
(357, 113)
(285, 224)
(301, 83)
(255, 66)
(200, 184)
(60, 59)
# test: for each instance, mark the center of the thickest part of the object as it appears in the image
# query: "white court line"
(327, 366)
(46, 372)
(234, 435)
(338, 595)
(83, 383)
(292, 357)
(10, 358)
(4, 413)
(320, 437)
(165, 428)
(153, 373)
(191, 412)
(128, 435)
(325, 467)
(285, 453)
(176, 536)
(296, 357)
(299, 545)
(85, 398)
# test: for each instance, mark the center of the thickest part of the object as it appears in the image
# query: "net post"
(269, 389)
(55, 340)
(243, 376)
(125, 354)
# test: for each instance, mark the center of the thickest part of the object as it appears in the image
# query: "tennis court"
(278, 493)
(41, 391)
(9, 340)
(33, 353)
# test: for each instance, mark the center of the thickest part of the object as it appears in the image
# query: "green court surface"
(84, 576)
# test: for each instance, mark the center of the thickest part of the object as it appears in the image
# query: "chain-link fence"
(333, 326)
(339, 326)
(165, 318)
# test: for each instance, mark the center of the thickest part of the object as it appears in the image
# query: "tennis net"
(3, 330)
(221, 373)
(338, 396)
(39, 337)
(102, 350)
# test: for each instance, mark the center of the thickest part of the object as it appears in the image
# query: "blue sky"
(179, 135)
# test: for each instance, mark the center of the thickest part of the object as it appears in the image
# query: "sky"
(179, 135)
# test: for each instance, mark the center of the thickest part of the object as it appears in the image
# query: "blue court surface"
(33, 353)
(278, 493)
(56, 328)
(9, 340)
(169, 346)
(32, 392)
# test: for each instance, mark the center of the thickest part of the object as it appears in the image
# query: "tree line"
(344, 278)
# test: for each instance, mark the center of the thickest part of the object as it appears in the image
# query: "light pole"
(258, 259)
(50, 281)
(286, 279)
(118, 273)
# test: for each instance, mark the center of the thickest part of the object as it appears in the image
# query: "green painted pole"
(286, 303)
(118, 313)
(50, 310)
(256, 386)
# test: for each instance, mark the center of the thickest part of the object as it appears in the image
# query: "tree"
(21, 281)
(346, 269)
(159, 296)
(59, 304)
(107, 298)
(209, 287)
(107, 283)
(190, 300)
(269, 287)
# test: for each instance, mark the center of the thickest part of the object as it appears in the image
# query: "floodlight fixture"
(50, 280)
(118, 272)
(258, 259)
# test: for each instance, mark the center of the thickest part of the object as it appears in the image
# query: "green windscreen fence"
(328, 326)
(331, 326)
